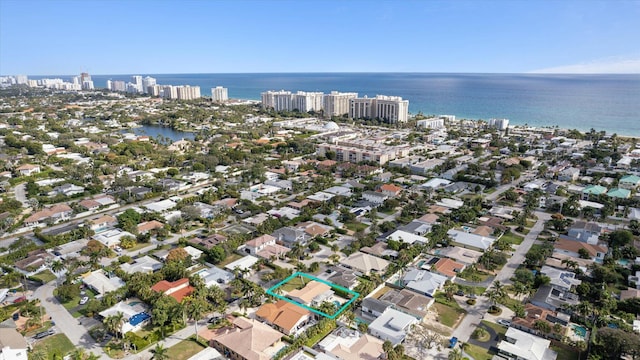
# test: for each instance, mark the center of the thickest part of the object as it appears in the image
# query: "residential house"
(177, 289)
(243, 264)
(584, 231)
(629, 182)
(145, 264)
(406, 237)
(13, 345)
(470, 241)
(290, 236)
(365, 263)
(265, 246)
(392, 325)
(448, 268)
(533, 314)
(519, 345)
(285, 316)
(248, 339)
(35, 262)
(374, 197)
(349, 344)
(215, 276)
(619, 193)
(68, 190)
(134, 311)
(390, 190)
(569, 174)
(101, 283)
(54, 214)
(111, 238)
(373, 308)
(209, 241)
(593, 190)
(408, 302)
(102, 223)
(28, 169)
(573, 248)
(551, 298)
(147, 226)
(314, 293)
(206, 211)
(560, 279)
(343, 277)
(380, 249)
(423, 282)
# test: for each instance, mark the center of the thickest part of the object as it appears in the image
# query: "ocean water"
(601, 102)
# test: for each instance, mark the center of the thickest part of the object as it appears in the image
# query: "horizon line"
(336, 72)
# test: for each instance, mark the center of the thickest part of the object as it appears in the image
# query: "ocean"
(601, 102)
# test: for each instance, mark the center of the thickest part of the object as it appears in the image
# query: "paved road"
(479, 311)
(21, 193)
(66, 323)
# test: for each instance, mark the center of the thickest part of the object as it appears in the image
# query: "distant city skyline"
(170, 37)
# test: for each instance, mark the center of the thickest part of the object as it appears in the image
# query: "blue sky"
(161, 36)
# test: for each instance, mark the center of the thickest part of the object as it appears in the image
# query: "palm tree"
(449, 289)
(455, 354)
(79, 353)
(160, 352)
(195, 308)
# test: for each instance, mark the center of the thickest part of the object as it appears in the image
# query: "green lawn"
(355, 226)
(295, 283)
(496, 327)
(565, 353)
(510, 303)
(447, 315)
(55, 344)
(477, 352)
(45, 276)
(231, 258)
(513, 238)
(184, 350)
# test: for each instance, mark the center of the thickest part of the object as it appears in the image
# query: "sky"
(160, 36)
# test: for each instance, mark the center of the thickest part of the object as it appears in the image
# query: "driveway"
(21, 194)
(477, 312)
(66, 323)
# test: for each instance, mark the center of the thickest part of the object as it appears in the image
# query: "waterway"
(155, 131)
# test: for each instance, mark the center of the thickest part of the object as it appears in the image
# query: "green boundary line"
(311, 277)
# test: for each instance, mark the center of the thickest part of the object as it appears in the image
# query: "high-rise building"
(154, 90)
(87, 85)
(391, 109)
(500, 124)
(219, 94)
(84, 77)
(109, 85)
(337, 103)
(187, 92)
(118, 85)
(137, 81)
(146, 82)
(278, 100)
(22, 79)
(169, 92)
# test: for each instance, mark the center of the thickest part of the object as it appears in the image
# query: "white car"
(504, 322)
(84, 300)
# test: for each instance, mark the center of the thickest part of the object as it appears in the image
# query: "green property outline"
(332, 285)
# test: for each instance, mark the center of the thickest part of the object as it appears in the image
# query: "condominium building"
(431, 123)
(307, 101)
(21, 79)
(154, 90)
(337, 103)
(137, 81)
(391, 109)
(500, 124)
(219, 94)
(278, 100)
(169, 92)
(358, 151)
(146, 82)
(187, 92)
(118, 85)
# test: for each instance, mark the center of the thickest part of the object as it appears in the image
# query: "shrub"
(471, 301)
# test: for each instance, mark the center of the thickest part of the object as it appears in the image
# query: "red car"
(20, 299)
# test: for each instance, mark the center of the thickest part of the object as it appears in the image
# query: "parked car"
(84, 300)
(16, 316)
(460, 293)
(452, 342)
(44, 334)
(20, 299)
(504, 322)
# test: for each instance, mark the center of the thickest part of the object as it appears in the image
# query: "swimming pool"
(138, 318)
(623, 262)
(579, 330)
(201, 272)
(466, 229)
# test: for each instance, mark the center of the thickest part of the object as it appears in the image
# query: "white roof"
(526, 346)
(144, 264)
(435, 183)
(450, 203)
(244, 263)
(161, 206)
(207, 354)
(193, 252)
(407, 237)
(392, 323)
(473, 240)
(101, 283)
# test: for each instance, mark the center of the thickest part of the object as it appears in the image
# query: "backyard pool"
(579, 330)
(138, 318)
